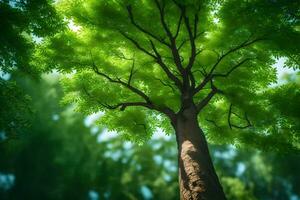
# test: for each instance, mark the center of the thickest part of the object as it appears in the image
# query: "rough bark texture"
(197, 176)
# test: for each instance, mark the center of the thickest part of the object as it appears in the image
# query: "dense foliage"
(116, 46)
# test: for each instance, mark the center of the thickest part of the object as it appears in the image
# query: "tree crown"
(152, 59)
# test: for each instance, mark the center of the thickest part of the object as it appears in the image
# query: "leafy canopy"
(145, 58)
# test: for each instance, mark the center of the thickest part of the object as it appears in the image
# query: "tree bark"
(197, 177)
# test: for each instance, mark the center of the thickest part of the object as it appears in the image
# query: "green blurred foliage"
(251, 174)
(59, 157)
(23, 24)
(15, 108)
(62, 155)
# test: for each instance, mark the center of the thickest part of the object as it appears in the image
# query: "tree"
(186, 66)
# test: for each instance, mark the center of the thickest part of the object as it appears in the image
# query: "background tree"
(63, 155)
(187, 63)
(59, 157)
(23, 24)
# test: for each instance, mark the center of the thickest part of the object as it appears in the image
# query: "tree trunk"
(197, 177)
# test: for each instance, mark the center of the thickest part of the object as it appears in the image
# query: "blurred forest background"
(48, 151)
(57, 153)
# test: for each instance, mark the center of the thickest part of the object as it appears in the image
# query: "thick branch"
(148, 104)
(232, 69)
(119, 81)
(172, 39)
(206, 100)
(211, 75)
(157, 58)
(178, 26)
(129, 9)
(165, 68)
(211, 94)
(196, 19)
(122, 106)
(137, 45)
(192, 40)
(192, 34)
(242, 45)
(162, 18)
(203, 83)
